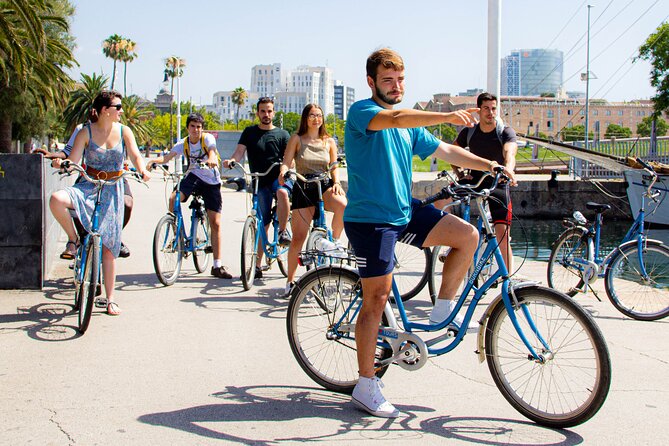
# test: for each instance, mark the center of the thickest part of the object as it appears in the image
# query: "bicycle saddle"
(597, 207)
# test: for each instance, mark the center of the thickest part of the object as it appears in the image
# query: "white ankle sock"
(217, 263)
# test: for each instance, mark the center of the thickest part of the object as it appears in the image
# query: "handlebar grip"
(232, 164)
(442, 194)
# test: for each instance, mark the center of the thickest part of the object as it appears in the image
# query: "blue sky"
(443, 43)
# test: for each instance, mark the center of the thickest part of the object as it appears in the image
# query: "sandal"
(113, 309)
(69, 254)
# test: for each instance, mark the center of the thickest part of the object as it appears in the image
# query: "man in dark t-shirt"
(264, 145)
(487, 141)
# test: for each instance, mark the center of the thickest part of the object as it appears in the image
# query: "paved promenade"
(203, 362)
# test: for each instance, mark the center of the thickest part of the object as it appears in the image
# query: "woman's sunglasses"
(116, 106)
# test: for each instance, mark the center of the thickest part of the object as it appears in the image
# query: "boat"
(657, 212)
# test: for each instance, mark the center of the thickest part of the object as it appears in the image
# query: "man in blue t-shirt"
(380, 144)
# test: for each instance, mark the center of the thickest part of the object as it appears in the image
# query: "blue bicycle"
(636, 273)
(88, 259)
(171, 243)
(545, 353)
(254, 234)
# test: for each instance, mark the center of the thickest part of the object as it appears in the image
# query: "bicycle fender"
(583, 230)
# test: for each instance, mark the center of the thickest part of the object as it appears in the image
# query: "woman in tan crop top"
(313, 150)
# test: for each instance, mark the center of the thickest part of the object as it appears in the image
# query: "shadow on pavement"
(339, 420)
(42, 322)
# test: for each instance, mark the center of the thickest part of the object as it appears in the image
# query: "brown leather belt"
(103, 175)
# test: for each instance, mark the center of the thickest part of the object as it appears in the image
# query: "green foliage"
(575, 133)
(425, 165)
(618, 131)
(644, 127)
(238, 97)
(137, 118)
(290, 122)
(81, 100)
(656, 50)
(448, 132)
(547, 95)
(330, 122)
(35, 50)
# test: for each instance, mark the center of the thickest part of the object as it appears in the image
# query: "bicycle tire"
(282, 262)
(631, 294)
(249, 252)
(89, 283)
(320, 299)
(411, 269)
(580, 357)
(562, 274)
(167, 250)
(436, 268)
(201, 258)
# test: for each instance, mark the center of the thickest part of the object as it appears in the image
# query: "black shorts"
(499, 202)
(210, 193)
(374, 243)
(305, 195)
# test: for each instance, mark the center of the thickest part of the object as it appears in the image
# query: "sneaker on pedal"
(285, 238)
(221, 272)
(258, 272)
(289, 289)
(442, 310)
(368, 397)
(124, 252)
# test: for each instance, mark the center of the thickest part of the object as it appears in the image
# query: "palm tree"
(174, 67)
(137, 119)
(128, 55)
(113, 47)
(239, 96)
(34, 53)
(79, 105)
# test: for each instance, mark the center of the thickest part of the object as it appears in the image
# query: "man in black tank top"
(489, 140)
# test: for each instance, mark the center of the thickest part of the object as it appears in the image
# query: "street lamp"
(587, 82)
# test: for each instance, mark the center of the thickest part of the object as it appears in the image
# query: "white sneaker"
(368, 397)
(289, 289)
(442, 310)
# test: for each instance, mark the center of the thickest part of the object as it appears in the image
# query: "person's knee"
(282, 195)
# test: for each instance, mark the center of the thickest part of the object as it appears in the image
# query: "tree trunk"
(171, 142)
(6, 134)
(113, 75)
(125, 70)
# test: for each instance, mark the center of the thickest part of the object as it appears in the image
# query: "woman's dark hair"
(322, 132)
(104, 99)
(194, 117)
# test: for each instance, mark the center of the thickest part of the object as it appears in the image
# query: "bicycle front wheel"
(319, 306)
(167, 250)
(89, 283)
(202, 244)
(411, 270)
(249, 252)
(645, 298)
(567, 260)
(570, 382)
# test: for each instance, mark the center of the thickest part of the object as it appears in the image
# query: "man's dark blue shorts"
(210, 193)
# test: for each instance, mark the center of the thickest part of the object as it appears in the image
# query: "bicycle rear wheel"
(569, 385)
(282, 262)
(202, 244)
(318, 307)
(249, 252)
(167, 250)
(567, 260)
(312, 241)
(411, 270)
(636, 296)
(89, 283)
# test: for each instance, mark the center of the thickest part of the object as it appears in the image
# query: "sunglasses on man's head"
(116, 106)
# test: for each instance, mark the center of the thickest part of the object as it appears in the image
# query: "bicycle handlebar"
(316, 177)
(456, 189)
(235, 164)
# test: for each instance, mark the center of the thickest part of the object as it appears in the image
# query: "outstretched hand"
(463, 117)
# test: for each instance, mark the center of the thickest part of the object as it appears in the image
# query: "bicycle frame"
(510, 304)
(271, 249)
(189, 245)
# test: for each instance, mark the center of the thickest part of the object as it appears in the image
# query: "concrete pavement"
(203, 362)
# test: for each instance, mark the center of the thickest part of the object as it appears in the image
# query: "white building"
(266, 80)
(226, 109)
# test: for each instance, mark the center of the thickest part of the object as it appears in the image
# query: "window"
(569, 112)
(549, 114)
(620, 112)
(531, 112)
(570, 124)
(595, 112)
(582, 113)
(608, 112)
(549, 124)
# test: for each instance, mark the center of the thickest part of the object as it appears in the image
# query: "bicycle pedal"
(101, 302)
(208, 250)
(71, 265)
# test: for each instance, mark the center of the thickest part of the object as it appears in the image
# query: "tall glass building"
(531, 72)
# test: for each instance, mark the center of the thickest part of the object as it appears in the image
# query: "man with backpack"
(492, 140)
(198, 148)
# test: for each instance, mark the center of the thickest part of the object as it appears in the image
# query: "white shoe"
(368, 397)
(289, 289)
(444, 310)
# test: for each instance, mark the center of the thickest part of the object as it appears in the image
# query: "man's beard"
(386, 99)
(265, 121)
